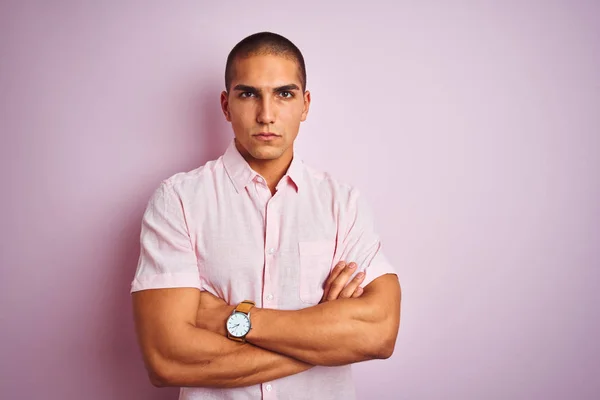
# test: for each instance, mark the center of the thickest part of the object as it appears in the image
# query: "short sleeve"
(358, 241)
(167, 258)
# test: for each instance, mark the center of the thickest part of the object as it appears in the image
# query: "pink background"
(473, 129)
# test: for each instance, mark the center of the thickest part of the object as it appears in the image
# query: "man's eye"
(286, 95)
(246, 94)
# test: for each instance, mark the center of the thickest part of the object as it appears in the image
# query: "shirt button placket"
(271, 251)
(267, 289)
(268, 392)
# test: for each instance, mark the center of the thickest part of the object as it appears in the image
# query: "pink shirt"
(218, 228)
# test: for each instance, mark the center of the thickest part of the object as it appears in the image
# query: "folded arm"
(339, 332)
(177, 353)
(334, 333)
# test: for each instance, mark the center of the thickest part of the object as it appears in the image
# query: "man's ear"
(225, 105)
(306, 105)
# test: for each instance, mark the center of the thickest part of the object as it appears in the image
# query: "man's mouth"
(266, 136)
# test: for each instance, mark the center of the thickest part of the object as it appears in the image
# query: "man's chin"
(271, 154)
(266, 152)
(263, 150)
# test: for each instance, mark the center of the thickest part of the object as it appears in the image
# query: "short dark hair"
(263, 43)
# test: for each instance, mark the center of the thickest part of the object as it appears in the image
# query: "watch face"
(238, 324)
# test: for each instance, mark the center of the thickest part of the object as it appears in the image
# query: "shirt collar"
(241, 174)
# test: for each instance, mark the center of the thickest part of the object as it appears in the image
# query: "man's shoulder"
(201, 177)
(325, 181)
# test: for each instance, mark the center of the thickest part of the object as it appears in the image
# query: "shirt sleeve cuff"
(166, 281)
(379, 266)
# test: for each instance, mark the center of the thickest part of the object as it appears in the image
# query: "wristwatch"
(238, 323)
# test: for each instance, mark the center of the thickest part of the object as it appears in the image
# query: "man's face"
(265, 106)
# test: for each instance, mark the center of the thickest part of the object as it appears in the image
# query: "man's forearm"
(227, 364)
(332, 333)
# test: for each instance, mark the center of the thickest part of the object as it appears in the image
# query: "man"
(235, 296)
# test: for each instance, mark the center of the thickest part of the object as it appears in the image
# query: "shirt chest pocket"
(316, 258)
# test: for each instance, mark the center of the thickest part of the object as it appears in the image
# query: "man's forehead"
(266, 71)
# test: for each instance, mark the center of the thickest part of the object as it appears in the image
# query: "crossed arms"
(184, 345)
(181, 330)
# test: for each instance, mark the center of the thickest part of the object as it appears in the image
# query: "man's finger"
(335, 272)
(359, 290)
(351, 287)
(340, 282)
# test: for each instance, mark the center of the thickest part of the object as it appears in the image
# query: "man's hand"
(337, 285)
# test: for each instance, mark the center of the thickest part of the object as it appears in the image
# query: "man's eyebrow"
(286, 88)
(246, 88)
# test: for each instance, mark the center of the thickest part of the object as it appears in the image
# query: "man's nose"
(266, 112)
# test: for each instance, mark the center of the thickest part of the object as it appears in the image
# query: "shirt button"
(269, 387)
(271, 250)
(269, 297)
(259, 179)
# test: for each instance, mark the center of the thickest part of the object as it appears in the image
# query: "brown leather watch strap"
(245, 306)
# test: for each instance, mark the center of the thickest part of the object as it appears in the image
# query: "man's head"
(265, 81)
